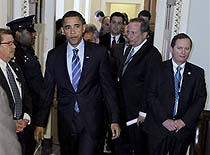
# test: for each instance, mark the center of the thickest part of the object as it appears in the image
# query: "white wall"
(198, 29)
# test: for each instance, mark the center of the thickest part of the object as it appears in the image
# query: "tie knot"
(132, 51)
(178, 68)
(113, 38)
(75, 51)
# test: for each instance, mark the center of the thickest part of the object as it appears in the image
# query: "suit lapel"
(64, 67)
(5, 86)
(187, 75)
(124, 59)
(169, 78)
(137, 57)
(86, 63)
(121, 39)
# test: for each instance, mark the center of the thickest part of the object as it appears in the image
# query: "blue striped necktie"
(177, 81)
(76, 73)
(128, 59)
(16, 93)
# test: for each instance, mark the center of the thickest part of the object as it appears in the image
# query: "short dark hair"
(4, 31)
(144, 24)
(99, 13)
(73, 14)
(145, 13)
(126, 18)
(117, 14)
(180, 36)
(58, 24)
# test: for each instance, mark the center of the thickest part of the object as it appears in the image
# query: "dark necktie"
(76, 73)
(16, 93)
(114, 42)
(177, 81)
(128, 59)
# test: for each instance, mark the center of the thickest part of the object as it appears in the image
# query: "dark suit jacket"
(106, 39)
(28, 62)
(135, 78)
(26, 100)
(95, 83)
(161, 99)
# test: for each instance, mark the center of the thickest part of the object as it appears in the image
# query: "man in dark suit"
(10, 77)
(137, 61)
(176, 97)
(83, 79)
(115, 36)
(25, 35)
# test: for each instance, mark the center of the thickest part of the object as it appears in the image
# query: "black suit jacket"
(95, 83)
(106, 39)
(26, 100)
(161, 99)
(135, 79)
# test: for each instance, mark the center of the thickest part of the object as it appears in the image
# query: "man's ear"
(17, 35)
(83, 30)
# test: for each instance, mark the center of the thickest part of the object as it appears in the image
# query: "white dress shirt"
(3, 68)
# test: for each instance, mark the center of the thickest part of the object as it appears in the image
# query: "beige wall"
(130, 7)
(68, 5)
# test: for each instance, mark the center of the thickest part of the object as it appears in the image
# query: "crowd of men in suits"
(150, 106)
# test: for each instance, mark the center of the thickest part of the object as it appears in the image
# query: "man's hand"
(115, 130)
(39, 134)
(179, 124)
(140, 119)
(170, 125)
(21, 124)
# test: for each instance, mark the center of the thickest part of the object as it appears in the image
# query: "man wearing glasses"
(13, 83)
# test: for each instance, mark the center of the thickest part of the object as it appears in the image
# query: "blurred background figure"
(105, 25)
(115, 36)
(60, 37)
(147, 16)
(91, 33)
(99, 15)
(125, 27)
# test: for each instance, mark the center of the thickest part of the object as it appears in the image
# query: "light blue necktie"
(76, 73)
(128, 59)
(16, 93)
(177, 81)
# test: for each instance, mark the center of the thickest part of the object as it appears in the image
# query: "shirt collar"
(3, 64)
(116, 37)
(139, 46)
(176, 65)
(79, 46)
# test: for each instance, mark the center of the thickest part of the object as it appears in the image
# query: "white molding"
(160, 25)
(59, 9)
(179, 23)
(185, 16)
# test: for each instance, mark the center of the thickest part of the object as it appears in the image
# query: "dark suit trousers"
(170, 144)
(76, 141)
(26, 139)
(132, 138)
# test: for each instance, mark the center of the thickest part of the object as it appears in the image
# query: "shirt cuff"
(143, 114)
(26, 116)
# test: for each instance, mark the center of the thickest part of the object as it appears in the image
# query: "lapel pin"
(188, 73)
(16, 69)
(87, 57)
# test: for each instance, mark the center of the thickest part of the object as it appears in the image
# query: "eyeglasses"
(10, 43)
